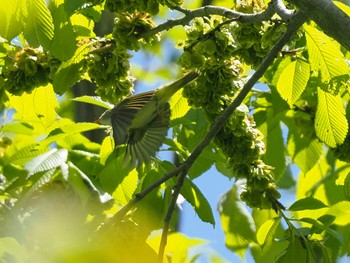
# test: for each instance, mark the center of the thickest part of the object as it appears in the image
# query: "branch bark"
(331, 19)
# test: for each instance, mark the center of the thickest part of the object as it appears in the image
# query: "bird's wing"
(143, 143)
(124, 113)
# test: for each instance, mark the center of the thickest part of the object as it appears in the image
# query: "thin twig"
(210, 10)
(169, 214)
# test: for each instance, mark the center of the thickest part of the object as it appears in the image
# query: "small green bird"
(141, 121)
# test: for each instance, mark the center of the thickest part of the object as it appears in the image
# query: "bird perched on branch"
(141, 121)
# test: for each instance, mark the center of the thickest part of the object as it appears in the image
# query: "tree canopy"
(266, 105)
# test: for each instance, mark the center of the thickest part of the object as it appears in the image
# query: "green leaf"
(125, 190)
(68, 129)
(198, 201)
(236, 222)
(324, 56)
(310, 153)
(307, 203)
(39, 25)
(113, 174)
(347, 187)
(94, 100)
(64, 42)
(275, 152)
(46, 161)
(341, 211)
(267, 229)
(45, 102)
(11, 246)
(330, 121)
(178, 246)
(69, 71)
(24, 154)
(84, 186)
(178, 105)
(295, 252)
(11, 18)
(293, 80)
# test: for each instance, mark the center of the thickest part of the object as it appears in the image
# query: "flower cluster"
(213, 46)
(24, 69)
(109, 68)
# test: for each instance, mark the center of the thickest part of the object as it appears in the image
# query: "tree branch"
(332, 20)
(281, 10)
(210, 10)
(298, 20)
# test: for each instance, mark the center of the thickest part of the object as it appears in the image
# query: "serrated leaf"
(307, 203)
(125, 190)
(324, 56)
(341, 211)
(236, 222)
(307, 157)
(68, 129)
(22, 155)
(293, 80)
(94, 100)
(39, 25)
(178, 105)
(45, 102)
(46, 161)
(198, 201)
(69, 71)
(330, 122)
(11, 14)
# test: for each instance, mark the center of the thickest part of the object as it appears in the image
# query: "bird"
(141, 121)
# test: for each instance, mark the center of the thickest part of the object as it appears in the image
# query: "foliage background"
(48, 166)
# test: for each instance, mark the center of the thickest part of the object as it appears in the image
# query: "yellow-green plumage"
(141, 121)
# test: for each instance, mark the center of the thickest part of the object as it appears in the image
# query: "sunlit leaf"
(308, 156)
(236, 222)
(11, 13)
(198, 201)
(39, 25)
(45, 102)
(68, 73)
(293, 80)
(267, 229)
(10, 246)
(46, 161)
(178, 105)
(68, 129)
(307, 203)
(341, 211)
(324, 56)
(330, 121)
(94, 100)
(178, 246)
(125, 190)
